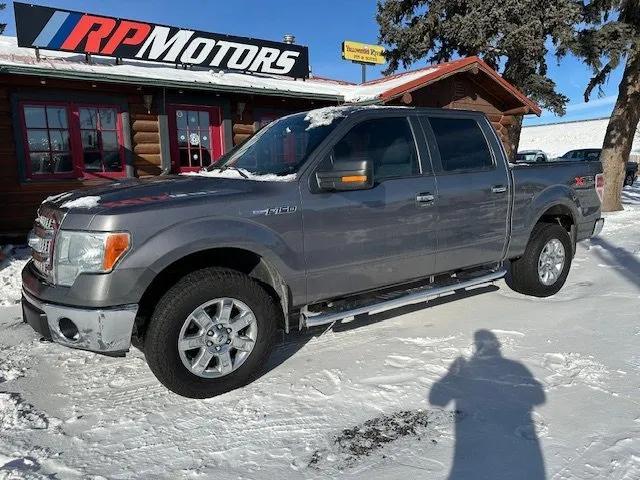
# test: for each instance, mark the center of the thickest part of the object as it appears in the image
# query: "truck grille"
(42, 241)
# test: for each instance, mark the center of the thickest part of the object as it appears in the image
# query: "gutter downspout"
(163, 130)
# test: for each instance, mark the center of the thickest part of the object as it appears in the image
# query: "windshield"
(280, 148)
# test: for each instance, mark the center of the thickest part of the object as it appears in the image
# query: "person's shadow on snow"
(494, 398)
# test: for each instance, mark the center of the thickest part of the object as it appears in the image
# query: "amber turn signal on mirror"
(354, 179)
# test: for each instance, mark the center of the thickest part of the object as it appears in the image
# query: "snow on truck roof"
(23, 61)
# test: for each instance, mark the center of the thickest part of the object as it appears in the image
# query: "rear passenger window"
(388, 142)
(461, 143)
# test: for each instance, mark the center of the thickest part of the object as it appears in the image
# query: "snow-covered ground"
(12, 261)
(404, 395)
(556, 139)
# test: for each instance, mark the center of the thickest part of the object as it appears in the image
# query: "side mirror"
(347, 175)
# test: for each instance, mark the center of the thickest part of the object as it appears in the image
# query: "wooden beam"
(407, 98)
(517, 111)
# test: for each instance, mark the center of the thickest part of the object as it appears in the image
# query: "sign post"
(364, 54)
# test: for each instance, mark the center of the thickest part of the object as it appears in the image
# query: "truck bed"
(535, 184)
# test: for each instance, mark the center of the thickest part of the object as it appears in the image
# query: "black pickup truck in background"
(589, 154)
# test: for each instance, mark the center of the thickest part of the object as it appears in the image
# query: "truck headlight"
(87, 252)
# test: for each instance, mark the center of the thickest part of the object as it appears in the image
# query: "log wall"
(145, 139)
(462, 92)
(20, 197)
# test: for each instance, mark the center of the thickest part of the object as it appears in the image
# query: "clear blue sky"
(322, 25)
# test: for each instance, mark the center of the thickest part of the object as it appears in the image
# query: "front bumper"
(102, 330)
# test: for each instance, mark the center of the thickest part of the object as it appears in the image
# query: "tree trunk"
(513, 138)
(620, 132)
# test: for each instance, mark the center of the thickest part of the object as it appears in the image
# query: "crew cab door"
(365, 239)
(473, 190)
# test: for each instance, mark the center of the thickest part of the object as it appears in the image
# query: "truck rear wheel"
(211, 333)
(543, 269)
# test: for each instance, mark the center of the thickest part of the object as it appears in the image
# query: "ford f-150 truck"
(318, 218)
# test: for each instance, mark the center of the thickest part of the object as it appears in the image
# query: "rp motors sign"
(69, 31)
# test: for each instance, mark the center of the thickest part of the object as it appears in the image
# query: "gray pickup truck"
(320, 217)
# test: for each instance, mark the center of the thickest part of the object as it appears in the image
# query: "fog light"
(68, 329)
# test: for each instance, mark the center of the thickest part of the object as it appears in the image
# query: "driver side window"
(387, 142)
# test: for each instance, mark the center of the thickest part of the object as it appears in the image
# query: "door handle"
(425, 198)
(498, 189)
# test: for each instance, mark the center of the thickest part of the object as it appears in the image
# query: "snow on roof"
(558, 138)
(370, 91)
(70, 64)
(19, 60)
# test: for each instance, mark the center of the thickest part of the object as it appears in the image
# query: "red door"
(196, 137)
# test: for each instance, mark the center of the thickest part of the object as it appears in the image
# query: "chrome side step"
(411, 297)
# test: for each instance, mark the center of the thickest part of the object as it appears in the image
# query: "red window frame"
(119, 139)
(75, 140)
(216, 134)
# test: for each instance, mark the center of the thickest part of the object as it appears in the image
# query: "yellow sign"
(363, 53)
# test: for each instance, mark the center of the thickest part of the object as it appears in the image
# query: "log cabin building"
(69, 121)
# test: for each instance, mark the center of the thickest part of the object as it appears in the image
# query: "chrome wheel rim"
(551, 262)
(217, 337)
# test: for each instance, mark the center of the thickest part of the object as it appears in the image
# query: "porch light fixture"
(241, 107)
(147, 98)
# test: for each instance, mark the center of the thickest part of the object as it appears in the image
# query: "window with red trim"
(196, 136)
(48, 147)
(100, 144)
(66, 140)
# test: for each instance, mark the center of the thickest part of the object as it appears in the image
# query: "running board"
(384, 303)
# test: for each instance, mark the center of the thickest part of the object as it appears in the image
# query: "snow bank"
(233, 173)
(558, 138)
(12, 261)
(82, 202)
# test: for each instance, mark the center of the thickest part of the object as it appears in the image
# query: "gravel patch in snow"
(16, 414)
(373, 435)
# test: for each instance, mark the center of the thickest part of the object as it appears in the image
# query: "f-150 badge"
(276, 210)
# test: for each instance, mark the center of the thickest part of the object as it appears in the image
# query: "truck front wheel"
(211, 333)
(543, 269)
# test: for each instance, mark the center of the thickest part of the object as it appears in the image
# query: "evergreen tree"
(611, 38)
(510, 35)
(2, 25)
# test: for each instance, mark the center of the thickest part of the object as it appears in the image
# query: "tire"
(523, 274)
(629, 180)
(170, 316)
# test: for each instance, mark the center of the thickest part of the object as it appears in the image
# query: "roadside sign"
(363, 53)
